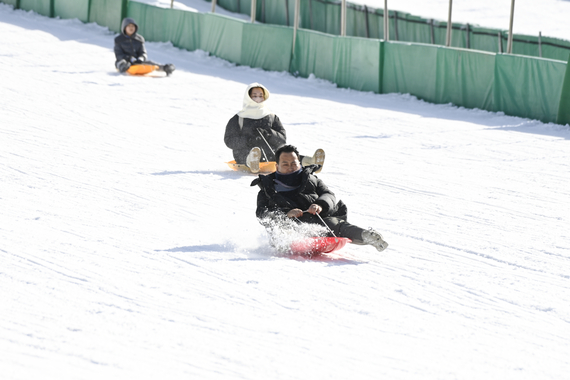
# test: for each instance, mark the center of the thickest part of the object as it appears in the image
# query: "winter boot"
(252, 159)
(375, 239)
(317, 159)
(168, 68)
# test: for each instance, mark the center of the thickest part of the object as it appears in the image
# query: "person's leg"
(167, 68)
(342, 228)
(375, 239)
(252, 159)
(122, 65)
(318, 158)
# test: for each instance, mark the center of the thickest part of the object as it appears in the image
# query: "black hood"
(127, 21)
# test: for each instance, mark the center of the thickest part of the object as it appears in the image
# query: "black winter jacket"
(129, 46)
(312, 190)
(241, 140)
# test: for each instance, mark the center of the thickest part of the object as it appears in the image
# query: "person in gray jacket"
(130, 49)
(294, 193)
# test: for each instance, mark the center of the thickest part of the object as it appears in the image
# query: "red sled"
(316, 245)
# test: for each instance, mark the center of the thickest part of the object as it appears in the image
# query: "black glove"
(123, 66)
(139, 60)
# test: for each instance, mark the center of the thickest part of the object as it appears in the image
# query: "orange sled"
(264, 167)
(141, 69)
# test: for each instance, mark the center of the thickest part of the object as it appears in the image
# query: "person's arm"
(234, 136)
(262, 205)
(141, 51)
(277, 135)
(269, 207)
(326, 199)
(119, 51)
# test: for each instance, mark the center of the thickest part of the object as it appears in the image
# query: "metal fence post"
(449, 25)
(500, 42)
(311, 13)
(296, 22)
(386, 22)
(396, 25)
(510, 40)
(540, 44)
(367, 22)
(253, 10)
(343, 18)
(124, 10)
(214, 6)
(263, 11)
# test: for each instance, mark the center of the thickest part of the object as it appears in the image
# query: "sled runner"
(264, 167)
(318, 245)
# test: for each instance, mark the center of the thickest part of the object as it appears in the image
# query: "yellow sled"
(264, 167)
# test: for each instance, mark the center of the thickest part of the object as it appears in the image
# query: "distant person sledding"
(130, 53)
(255, 133)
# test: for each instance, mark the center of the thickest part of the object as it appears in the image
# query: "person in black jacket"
(255, 133)
(293, 192)
(130, 49)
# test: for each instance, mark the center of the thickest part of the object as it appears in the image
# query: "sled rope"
(323, 222)
(269, 146)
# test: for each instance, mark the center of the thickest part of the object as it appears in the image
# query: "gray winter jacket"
(129, 46)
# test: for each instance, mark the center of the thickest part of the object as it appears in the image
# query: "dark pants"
(144, 63)
(339, 226)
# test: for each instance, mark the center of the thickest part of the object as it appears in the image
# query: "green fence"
(109, 13)
(267, 46)
(530, 87)
(363, 21)
(15, 3)
(350, 62)
(43, 7)
(440, 75)
(517, 85)
(72, 9)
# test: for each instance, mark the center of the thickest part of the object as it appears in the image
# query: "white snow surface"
(129, 250)
(550, 17)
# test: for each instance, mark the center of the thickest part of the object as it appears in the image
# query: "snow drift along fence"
(516, 85)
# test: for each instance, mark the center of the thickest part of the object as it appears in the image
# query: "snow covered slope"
(129, 250)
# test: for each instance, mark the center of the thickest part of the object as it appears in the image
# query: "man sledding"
(130, 52)
(293, 194)
(254, 133)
